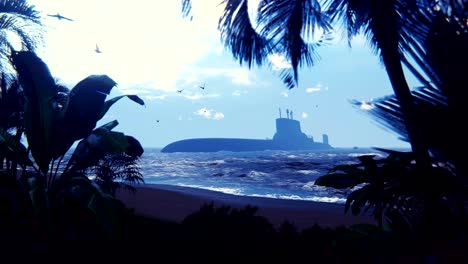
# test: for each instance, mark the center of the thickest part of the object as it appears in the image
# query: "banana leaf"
(12, 149)
(86, 100)
(39, 89)
(112, 101)
(102, 141)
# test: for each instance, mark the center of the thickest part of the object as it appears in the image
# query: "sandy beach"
(174, 203)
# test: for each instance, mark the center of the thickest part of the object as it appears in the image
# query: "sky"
(150, 50)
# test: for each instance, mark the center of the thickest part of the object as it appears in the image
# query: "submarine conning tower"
(325, 139)
(289, 130)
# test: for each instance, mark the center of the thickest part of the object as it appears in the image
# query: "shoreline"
(174, 203)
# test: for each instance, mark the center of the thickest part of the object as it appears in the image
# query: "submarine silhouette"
(288, 136)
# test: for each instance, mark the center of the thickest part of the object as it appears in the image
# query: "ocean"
(274, 174)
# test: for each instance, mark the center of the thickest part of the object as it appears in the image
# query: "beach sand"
(174, 203)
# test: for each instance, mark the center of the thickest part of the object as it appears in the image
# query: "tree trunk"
(391, 59)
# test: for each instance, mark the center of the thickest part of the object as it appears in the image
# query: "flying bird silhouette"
(180, 91)
(97, 50)
(60, 17)
(202, 87)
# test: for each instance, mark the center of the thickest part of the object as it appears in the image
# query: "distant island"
(288, 136)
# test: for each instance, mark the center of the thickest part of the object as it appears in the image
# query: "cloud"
(279, 62)
(236, 93)
(240, 76)
(304, 115)
(209, 114)
(198, 96)
(193, 97)
(218, 116)
(155, 97)
(136, 91)
(239, 92)
(149, 52)
(315, 89)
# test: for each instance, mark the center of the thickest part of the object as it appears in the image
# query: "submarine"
(288, 136)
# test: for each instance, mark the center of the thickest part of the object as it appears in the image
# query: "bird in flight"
(97, 50)
(180, 91)
(157, 121)
(60, 17)
(203, 87)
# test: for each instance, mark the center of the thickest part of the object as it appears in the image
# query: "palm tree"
(382, 22)
(283, 25)
(19, 24)
(115, 171)
(438, 50)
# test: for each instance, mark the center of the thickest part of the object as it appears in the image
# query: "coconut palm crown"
(20, 25)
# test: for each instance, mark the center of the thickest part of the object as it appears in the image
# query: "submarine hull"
(238, 144)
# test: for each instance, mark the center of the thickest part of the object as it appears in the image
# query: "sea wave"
(280, 174)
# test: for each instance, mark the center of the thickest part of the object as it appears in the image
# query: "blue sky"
(150, 50)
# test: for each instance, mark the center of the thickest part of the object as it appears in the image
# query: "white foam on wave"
(235, 191)
(376, 154)
(297, 197)
(310, 186)
(307, 172)
(255, 173)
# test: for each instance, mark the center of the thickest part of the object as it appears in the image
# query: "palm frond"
(239, 35)
(286, 24)
(186, 8)
(21, 9)
(21, 19)
(117, 171)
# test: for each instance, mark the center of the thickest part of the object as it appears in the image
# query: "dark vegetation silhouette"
(432, 203)
(419, 195)
(19, 21)
(48, 201)
(49, 206)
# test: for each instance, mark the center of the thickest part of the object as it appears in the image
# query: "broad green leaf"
(13, 149)
(134, 149)
(39, 89)
(112, 101)
(110, 125)
(85, 102)
(99, 143)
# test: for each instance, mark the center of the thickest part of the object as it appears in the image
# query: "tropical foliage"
(416, 191)
(439, 51)
(401, 196)
(54, 119)
(19, 25)
(438, 194)
(294, 29)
